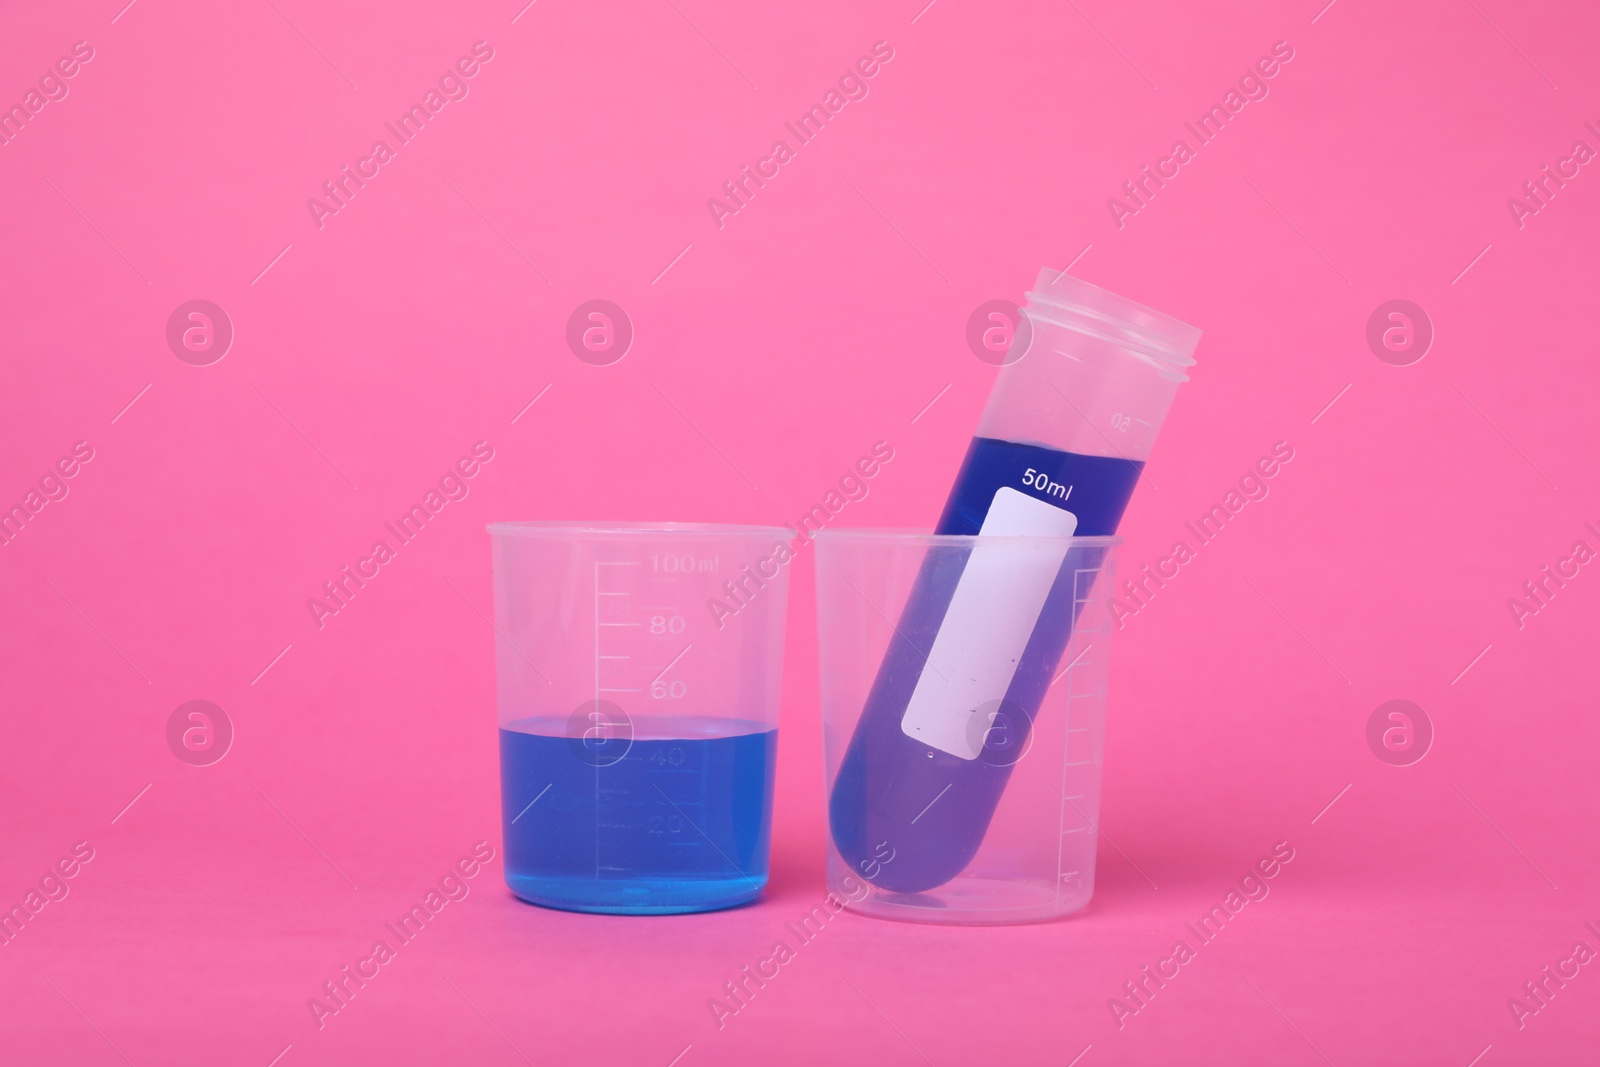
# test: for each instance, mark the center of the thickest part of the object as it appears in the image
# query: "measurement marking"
(485, 1018)
(1078, 830)
(303, 437)
(86, 1019)
(285, 1051)
(1508, 840)
(1297, 630)
(1323, 12)
(675, 659)
(96, 229)
(598, 593)
(619, 624)
(896, 229)
(532, 402)
(1504, 438)
(269, 266)
(1071, 665)
(1285, 1018)
(302, 834)
(932, 802)
(1144, 475)
(685, 816)
(707, 440)
(618, 563)
(1086, 1049)
(1474, 662)
(114, 18)
(130, 404)
(923, 12)
(531, 803)
(496, 629)
(1474, 262)
(269, 666)
(96, 629)
(686, 1048)
(597, 656)
(1330, 404)
(885, 1018)
(1102, 833)
(1480, 1055)
(606, 689)
(674, 263)
(130, 804)
(1296, 229)
(930, 404)
(524, 11)
(714, 48)
(1330, 804)
(314, 48)
(1114, 48)
(1514, 48)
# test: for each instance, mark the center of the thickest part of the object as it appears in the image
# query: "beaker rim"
(614, 528)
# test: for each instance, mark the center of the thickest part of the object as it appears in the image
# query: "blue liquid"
(881, 812)
(655, 826)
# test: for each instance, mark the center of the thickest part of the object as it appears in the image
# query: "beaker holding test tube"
(983, 630)
(638, 730)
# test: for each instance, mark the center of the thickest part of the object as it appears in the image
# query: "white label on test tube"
(991, 616)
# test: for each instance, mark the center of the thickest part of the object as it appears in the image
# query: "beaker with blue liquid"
(639, 671)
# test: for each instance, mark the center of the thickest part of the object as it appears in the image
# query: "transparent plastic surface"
(639, 672)
(1098, 374)
(995, 820)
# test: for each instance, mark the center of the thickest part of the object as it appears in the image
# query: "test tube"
(1060, 445)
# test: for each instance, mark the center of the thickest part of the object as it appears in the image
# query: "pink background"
(822, 317)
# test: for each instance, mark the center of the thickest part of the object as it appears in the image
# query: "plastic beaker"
(996, 819)
(639, 670)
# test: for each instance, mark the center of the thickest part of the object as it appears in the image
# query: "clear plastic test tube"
(1059, 448)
